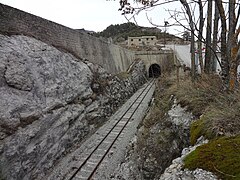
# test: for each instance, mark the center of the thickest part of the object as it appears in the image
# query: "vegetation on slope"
(217, 118)
(218, 111)
(121, 32)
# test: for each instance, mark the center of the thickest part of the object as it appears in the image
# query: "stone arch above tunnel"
(154, 71)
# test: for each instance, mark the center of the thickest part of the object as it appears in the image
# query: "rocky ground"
(176, 170)
(136, 167)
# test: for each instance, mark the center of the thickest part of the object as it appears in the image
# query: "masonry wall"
(82, 45)
(163, 58)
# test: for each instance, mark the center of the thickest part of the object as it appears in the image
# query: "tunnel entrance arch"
(154, 71)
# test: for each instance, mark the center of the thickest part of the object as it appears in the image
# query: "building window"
(152, 39)
(131, 39)
(139, 39)
(147, 39)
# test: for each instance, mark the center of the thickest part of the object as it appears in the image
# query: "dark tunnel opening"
(154, 71)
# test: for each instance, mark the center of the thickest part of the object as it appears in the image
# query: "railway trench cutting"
(100, 155)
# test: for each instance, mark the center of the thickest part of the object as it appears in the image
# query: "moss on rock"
(123, 75)
(201, 127)
(220, 156)
(196, 130)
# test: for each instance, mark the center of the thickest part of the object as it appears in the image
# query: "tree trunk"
(192, 49)
(208, 59)
(232, 46)
(215, 37)
(224, 58)
(200, 35)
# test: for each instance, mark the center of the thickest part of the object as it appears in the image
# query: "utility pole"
(165, 30)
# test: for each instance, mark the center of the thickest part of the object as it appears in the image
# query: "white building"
(142, 41)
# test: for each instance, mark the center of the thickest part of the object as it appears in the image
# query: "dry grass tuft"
(218, 119)
(218, 112)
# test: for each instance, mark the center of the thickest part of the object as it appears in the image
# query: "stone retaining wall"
(112, 57)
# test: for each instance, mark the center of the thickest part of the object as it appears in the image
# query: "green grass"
(123, 75)
(221, 156)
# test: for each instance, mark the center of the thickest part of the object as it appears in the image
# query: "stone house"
(142, 41)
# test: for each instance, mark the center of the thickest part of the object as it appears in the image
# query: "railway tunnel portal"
(156, 62)
(154, 71)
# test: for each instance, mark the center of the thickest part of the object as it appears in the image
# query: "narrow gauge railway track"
(89, 166)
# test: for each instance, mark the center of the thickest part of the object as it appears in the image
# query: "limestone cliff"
(49, 102)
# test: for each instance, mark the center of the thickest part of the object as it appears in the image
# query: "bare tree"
(192, 48)
(232, 46)
(208, 56)
(215, 37)
(229, 47)
(200, 34)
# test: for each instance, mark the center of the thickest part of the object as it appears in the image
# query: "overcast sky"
(93, 15)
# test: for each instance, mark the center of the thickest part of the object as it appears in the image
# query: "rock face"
(148, 157)
(176, 170)
(158, 159)
(49, 102)
(166, 140)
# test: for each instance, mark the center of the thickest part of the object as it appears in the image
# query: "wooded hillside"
(120, 32)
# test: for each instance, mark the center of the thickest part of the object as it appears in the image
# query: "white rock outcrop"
(49, 102)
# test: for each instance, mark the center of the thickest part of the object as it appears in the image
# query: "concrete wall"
(163, 58)
(82, 45)
(122, 57)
